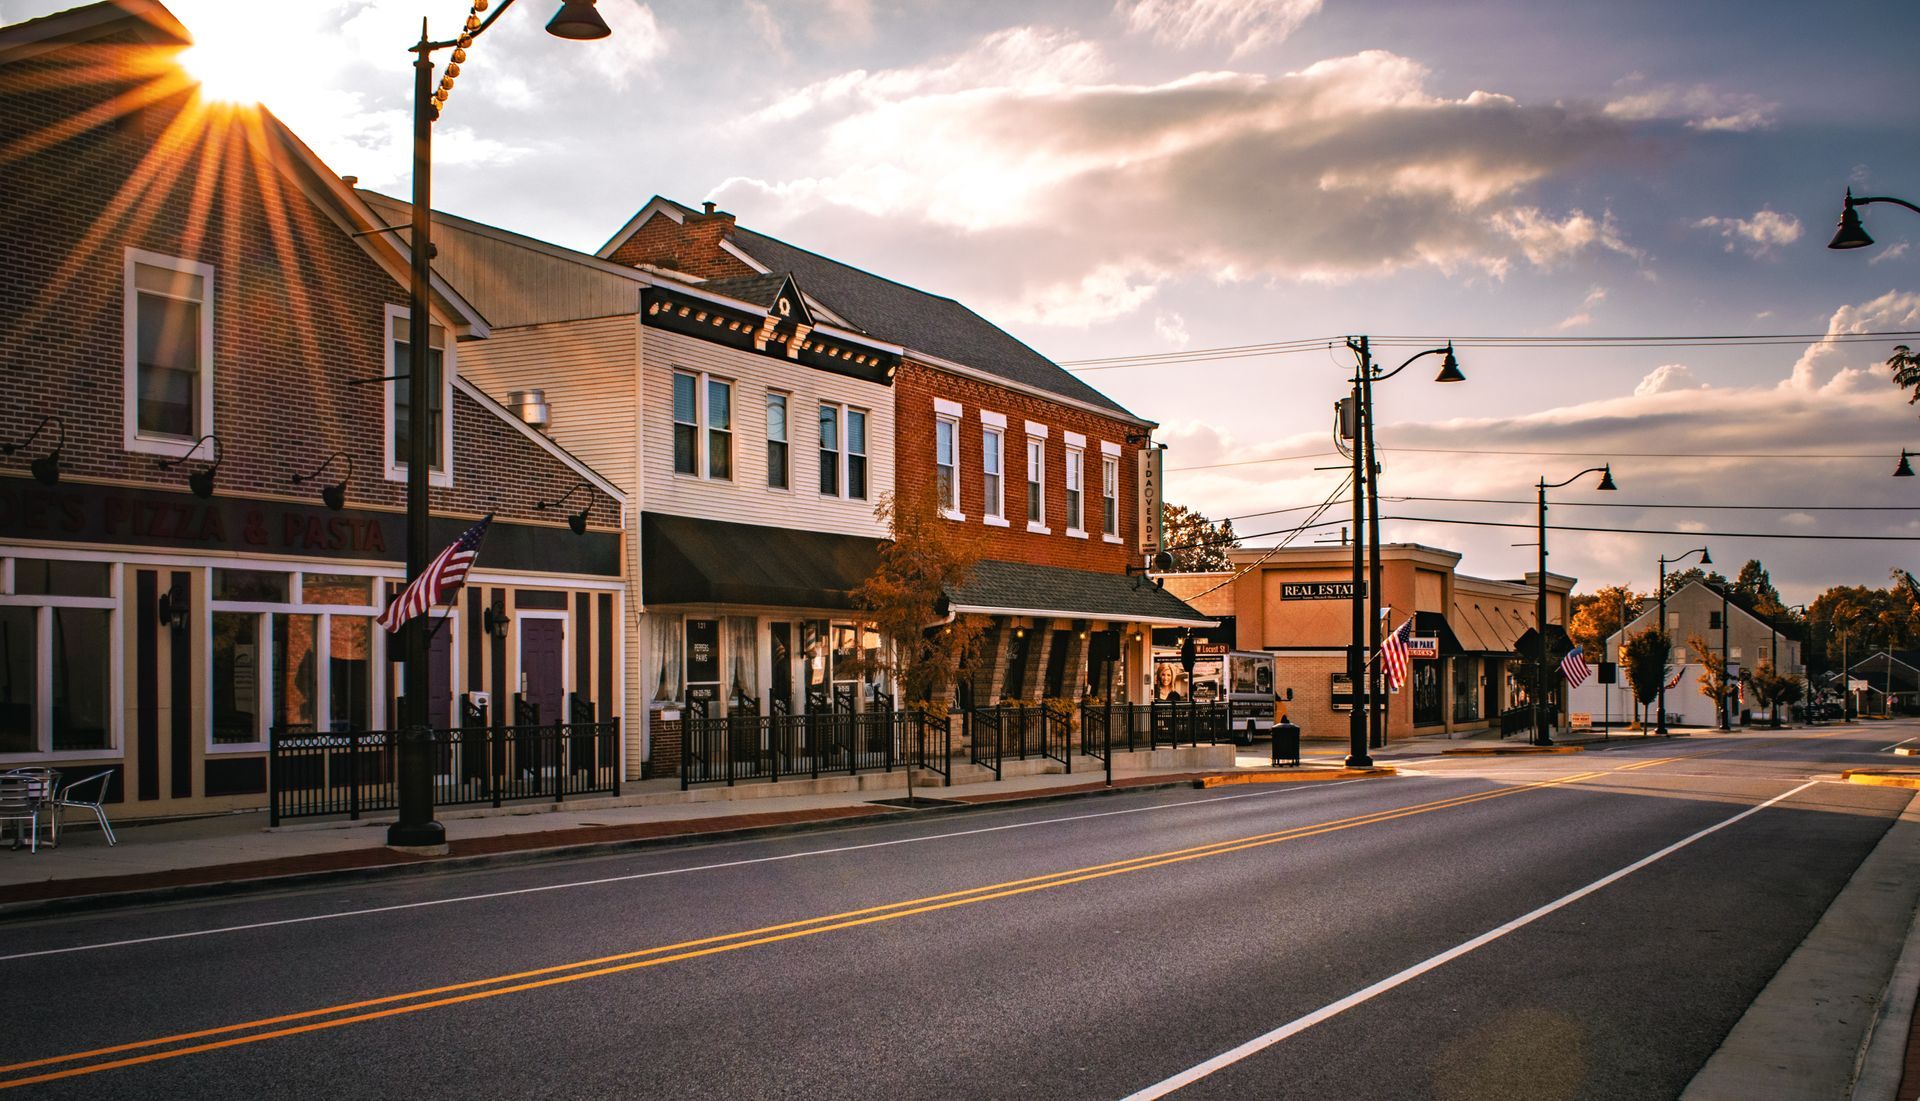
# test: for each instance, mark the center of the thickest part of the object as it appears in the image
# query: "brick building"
(1042, 467)
(1296, 602)
(190, 307)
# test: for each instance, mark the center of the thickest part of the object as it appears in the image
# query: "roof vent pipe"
(531, 406)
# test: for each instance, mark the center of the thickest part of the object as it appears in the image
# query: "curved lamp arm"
(1606, 482)
(1701, 551)
(1449, 366)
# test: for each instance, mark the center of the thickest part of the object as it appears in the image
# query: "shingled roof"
(1021, 588)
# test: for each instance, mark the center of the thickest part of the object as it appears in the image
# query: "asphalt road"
(1397, 938)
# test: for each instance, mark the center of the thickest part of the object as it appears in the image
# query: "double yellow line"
(179, 1044)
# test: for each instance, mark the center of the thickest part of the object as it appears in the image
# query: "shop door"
(780, 675)
(541, 665)
(439, 677)
(1491, 673)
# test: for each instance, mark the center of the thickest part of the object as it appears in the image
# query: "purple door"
(541, 663)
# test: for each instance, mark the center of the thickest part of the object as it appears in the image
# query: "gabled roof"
(146, 19)
(1020, 588)
(935, 327)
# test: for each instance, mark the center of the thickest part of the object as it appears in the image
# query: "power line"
(1650, 504)
(1877, 456)
(1796, 536)
(1292, 347)
(1254, 462)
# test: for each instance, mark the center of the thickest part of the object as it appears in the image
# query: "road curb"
(190, 892)
(1883, 777)
(1511, 750)
(1306, 776)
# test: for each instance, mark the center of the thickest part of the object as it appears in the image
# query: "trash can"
(1286, 742)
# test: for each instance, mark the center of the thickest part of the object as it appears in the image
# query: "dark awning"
(1022, 589)
(1558, 642)
(1434, 624)
(690, 561)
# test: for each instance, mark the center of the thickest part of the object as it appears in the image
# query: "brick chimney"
(692, 246)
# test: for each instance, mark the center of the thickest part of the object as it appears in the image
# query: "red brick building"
(1042, 466)
(198, 334)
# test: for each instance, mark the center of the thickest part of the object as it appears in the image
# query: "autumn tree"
(1680, 579)
(906, 598)
(1715, 684)
(1771, 689)
(1906, 370)
(1645, 658)
(1753, 590)
(1598, 615)
(1196, 543)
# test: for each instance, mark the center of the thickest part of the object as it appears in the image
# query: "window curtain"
(663, 658)
(740, 644)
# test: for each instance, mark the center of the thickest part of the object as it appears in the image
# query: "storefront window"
(323, 588)
(350, 673)
(1466, 689)
(19, 679)
(1426, 694)
(663, 656)
(80, 678)
(875, 673)
(257, 586)
(236, 678)
(296, 656)
(743, 652)
(43, 577)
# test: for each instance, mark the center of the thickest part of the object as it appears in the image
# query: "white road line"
(1896, 745)
(654, 874)
(1292, 1028)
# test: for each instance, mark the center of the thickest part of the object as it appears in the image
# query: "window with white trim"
(992, 441)
(289, 650)
(843, 451)
(400, 396)
(58, 657)
(1110, 496)
(776, 440)
(168, 396)
(702, 426)
(1076, 484)
(1036, 482)
(946, 463)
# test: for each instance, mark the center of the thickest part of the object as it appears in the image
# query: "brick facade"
(692, 246)
(299, 310)
(915, 389)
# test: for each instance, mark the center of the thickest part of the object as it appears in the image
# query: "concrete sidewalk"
(213, 854)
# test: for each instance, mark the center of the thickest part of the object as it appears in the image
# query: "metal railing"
(353, 772)
(987, 739)
(732, 748)
(1096, 735)
(1134, 726)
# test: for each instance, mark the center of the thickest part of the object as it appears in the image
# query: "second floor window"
(1036, 481)
(946, 472)
(435, 422)
(1076, 484)
(702, 426)
(830, 450)
(857, 454)
(777, 441)
(843, 452)
(991, 465)
(169, 391)
(1110, 496)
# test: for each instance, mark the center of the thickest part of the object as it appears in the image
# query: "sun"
(233, 66)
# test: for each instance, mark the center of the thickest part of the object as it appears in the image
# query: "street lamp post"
(1726, 670)
(1851, 233)
(415, 826)
(1540, 597)
(1366, 509)
(1661, 626)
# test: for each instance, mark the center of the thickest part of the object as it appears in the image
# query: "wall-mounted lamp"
(333, 496)
(1162, 563)
(200, 481)
(46, 468)
(575, 520)
(494, 622)
(1135, 439)
(172, 609)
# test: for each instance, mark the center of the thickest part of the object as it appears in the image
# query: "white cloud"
(1698, 106)
(1758, 235)
(1245, 25)
(1891, 252)
(1668, 377)
(1835, 366)
(1021, 154)
(1575, 321)
(637, 41)
(1171, 328)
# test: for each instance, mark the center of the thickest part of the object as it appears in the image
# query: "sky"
(1163, 177)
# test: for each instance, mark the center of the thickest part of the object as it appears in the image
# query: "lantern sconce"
(495, 622)
(46, 468)
(172, 610)
(333, 496)
(200, 481)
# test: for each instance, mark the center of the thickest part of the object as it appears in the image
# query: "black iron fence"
(1134, 726)
(353, 772)
(731, 748)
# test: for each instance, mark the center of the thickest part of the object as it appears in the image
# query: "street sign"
(1319, 590)
(1426, 649)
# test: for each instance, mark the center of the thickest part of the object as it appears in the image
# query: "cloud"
(1832, 365)
(1021, 154)
(1758, 235)
(1698, 106)
(1891, 252)
(1171, 328)
(1575, 321)
(1668, 377)
(637, 41)
(1246, 25)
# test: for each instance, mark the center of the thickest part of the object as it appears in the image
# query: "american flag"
(1674, 681)
(439, 581)
(1394, 657)
(1574, 665)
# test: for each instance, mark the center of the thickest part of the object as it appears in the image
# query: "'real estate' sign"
(1319, 590)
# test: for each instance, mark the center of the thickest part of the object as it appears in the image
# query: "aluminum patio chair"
(77, 795)
(20, 802)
